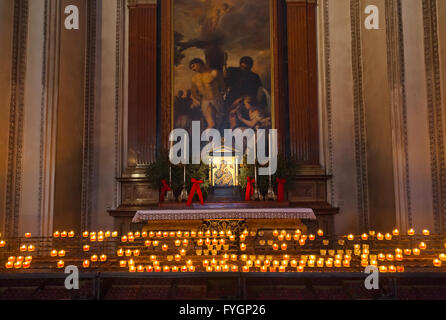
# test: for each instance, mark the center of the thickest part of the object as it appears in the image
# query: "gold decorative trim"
(435, 114)
(359, 115)
(16, 118)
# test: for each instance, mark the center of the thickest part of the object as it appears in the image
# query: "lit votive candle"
(311, 237)
(122, 263)
(442, 257)
(150, 269)
(275, 246)
(407, 252)
(301, 242)
(53, 253)
(94, 258)
(60, 264)
(423, 246)
(396, 232)
(177, 257)
(61, 253)
(2, 244)
(437, 263)
(28, 235)
(425, 232)
(63, 234)
(85, 234)
(388, 236)
(283, 246)
(389, 257)
(86, 263)
(103, 258)
(300, 269)
(56, 234)
(320, 233)
(411, 232)
(364, 236)
(380, 236)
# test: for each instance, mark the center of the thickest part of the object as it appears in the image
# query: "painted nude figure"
(207, 89)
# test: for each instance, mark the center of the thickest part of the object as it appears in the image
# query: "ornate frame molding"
(16, 117)
(328, 97)
(435, 114)
(88, 169)
(359, 114)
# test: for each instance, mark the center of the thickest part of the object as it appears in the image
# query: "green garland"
(286, 168)
(159, 170)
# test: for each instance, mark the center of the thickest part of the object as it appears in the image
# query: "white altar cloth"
(200, 214)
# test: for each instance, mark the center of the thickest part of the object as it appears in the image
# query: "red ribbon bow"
(195, 188)
(249, 188)
(164, 189)
(281, 189)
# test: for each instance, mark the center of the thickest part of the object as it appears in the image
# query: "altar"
(225, 219)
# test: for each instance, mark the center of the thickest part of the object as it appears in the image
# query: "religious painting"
(222, 64)
(223, 168)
